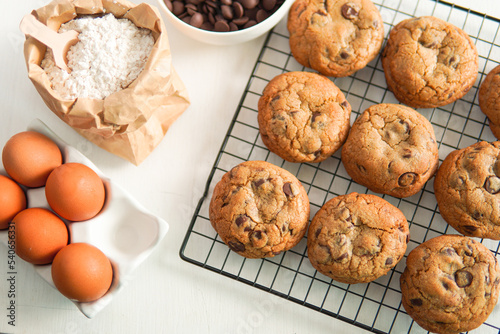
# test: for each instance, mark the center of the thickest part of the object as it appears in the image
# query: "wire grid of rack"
(375, 306)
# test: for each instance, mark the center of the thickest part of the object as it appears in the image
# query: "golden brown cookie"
(429, 62)
(259, 209)
(450, 284)
(467, 189)
(357, 238)
(335, 38)
(391, 149)
(303, 117)
(489, 99)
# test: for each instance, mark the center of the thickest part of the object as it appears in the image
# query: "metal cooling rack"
(374, 306)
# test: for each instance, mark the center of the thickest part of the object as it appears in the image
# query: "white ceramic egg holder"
(124, 230)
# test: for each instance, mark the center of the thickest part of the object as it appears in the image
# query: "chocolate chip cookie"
(467, 188)
(489, 99)
(450, 284)
(391, 149)
(303, 117)
(356, 238)
(429, 62)
(259, 209)
(335, 38)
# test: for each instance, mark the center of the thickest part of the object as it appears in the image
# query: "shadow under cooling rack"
(374, 306)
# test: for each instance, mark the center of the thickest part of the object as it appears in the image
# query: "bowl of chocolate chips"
(225, 22)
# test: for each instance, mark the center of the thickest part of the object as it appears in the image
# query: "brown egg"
(82, 272)
(12, 201)
(39, 235)
(75, 192)
(29, 157)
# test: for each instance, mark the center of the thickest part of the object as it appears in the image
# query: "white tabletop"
(165, 294)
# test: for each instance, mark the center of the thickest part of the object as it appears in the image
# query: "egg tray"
(375, 306)
(124, 230)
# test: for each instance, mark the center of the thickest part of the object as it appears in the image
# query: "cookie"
(450, 284)
(467, 189)
(429, 62)
(259, 209)
(336, 38)
(303, 117)
(391, 149)
(489, 99)
(357, 238)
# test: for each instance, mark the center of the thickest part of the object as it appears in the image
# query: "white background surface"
(165, 294)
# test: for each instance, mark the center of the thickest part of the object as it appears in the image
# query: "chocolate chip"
(261, 15)
(257, 235)
(407, 238)
(469, 251)
(276, 253)
(191, 8)
(258, 183)
(196, 20)
(236, 246)
(362, 168)
(314, 116)
(453, 61)
(406, 126)
(470, 228)
(221, 26)
(268, 4)
(407, 179)
(227, 12)
(207, 26)
(287, 189)
(240, 220)
(249, 4)
(249, 24)
(416, 302)
(341, 239)
(492, 185)
(477, 215)
(238, 10)
(342, 257)
(241, 20)
(177, 8)
(407, 153)
(169, 5)
(389, 261)
(344, 104)
(446, 286)
(463, 278)
(448, 251)
(344, 55)
(210, 3)
(349, 12)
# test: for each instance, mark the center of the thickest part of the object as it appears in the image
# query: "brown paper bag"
(129, 123)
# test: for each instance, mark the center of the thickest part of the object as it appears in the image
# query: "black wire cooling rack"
(374, 306)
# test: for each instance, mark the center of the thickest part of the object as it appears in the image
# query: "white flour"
(110, 54)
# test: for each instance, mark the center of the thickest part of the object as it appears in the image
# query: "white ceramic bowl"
(231, 37)
(124, 230)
